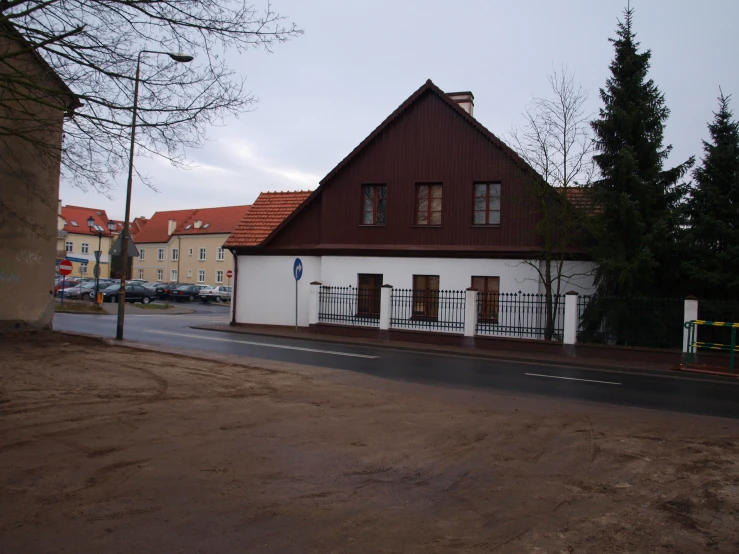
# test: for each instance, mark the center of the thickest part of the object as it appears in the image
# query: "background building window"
(189, 253)
(142, 254)
(189, 272)
(175, 254)
(373, 204)
(201, 276)
(426, 296)
(489, 290)
(221, 254)
(487, 204)
(83, 269)
(428, 204)
(69, 246)
(160, 274)
(173, 275)
(368, 295)
(219, 276)
(201, 255)
(141, 273)
(160, 254)
(85, 248)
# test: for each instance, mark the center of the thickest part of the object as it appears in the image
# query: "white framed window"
(175, 254)
(85, 248)
(201, 276)
(173, 275)
(221, 254)
(160, 254)
(83, 269)
(189, 253)
(142, 254)
(201, 255)
(69, 246)
(219, 276)
(141, 273)
(189, 272)
(160, 274)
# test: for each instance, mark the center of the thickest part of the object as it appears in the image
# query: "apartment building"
(186, 246)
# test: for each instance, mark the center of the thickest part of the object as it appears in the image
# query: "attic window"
(206, 225)
(187, 227)
(74, 223)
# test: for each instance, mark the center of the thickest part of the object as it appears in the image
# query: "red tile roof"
(265, 215)
(78, 215)
(133, 228)
(581, 198)
(211, 221)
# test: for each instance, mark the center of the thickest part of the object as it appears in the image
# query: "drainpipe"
(234, 302)
(179, 255)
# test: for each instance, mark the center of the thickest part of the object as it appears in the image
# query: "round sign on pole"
(297, 269)
(229, 274)
(65, 267)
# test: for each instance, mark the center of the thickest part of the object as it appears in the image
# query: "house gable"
(428, 139)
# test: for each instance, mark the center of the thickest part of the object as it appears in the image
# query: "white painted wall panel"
(576, 276)
(266, 289)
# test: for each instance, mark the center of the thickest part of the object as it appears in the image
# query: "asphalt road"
(674, 392)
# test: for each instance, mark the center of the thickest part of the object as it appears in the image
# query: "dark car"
(165, 290)
(68, 284)
(186, 292)
(134, 293)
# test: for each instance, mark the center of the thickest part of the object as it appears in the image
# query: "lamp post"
(99, 231)
(178, 57)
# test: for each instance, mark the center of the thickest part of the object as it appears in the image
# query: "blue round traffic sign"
(297, 269)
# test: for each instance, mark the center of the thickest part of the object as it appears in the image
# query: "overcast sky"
(322, 93)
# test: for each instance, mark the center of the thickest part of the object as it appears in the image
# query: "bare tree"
(93, 45)
(555, 140)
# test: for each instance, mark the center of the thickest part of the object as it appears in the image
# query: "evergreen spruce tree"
(636, 231)
(713, 210)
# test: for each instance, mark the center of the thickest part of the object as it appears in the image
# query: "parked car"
(68, 284)
(186, 292)
(218, 293)
(134, 293)
(165, 290)
(84, 290)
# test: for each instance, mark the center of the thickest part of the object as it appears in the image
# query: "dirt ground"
(112, 449)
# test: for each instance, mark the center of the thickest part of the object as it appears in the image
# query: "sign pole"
(64, 282)
(296, 304)
(297, 273)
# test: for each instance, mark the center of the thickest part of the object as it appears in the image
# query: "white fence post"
(470, 312)
(313, 301)
(386, 292)
(570, 323)
(690, 314)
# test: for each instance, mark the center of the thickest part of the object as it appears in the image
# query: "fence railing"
(349, 306)
(647, 322)
(431, 310)
(532, 316)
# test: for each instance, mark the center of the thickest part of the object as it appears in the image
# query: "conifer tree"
(713, 209)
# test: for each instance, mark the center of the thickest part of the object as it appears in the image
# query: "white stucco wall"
(266, 289)
(576, 276)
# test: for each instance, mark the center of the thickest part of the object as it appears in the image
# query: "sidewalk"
(593, 363)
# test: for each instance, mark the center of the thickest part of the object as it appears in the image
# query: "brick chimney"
(466, 100)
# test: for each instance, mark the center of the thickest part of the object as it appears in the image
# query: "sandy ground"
(110, 449)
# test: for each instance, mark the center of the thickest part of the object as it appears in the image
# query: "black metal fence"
(532, 316)
(349, 306)
(429, 310)
(648, 322)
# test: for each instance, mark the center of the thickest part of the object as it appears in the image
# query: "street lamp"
(99, 231)
(178, 57)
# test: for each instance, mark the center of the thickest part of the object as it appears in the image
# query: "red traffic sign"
(65, 267)
(229, 274)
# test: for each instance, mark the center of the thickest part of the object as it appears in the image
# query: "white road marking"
(284, 347)
(572, 379)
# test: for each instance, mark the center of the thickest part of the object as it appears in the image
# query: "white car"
(217, 293)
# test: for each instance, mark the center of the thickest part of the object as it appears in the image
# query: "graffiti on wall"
(28, 257)
(9, 271)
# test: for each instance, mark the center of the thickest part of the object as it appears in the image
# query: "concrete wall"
(29, 192)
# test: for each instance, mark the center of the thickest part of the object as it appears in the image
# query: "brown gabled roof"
(580, 197)
(75, 220)
(428, 86)
(156, 229)
(269, 210)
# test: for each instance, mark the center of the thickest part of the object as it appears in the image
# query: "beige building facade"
(186, 246)
(32, 120)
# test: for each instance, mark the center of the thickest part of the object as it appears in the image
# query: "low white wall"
(576, 276)
(266, 289)
(454, 274)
